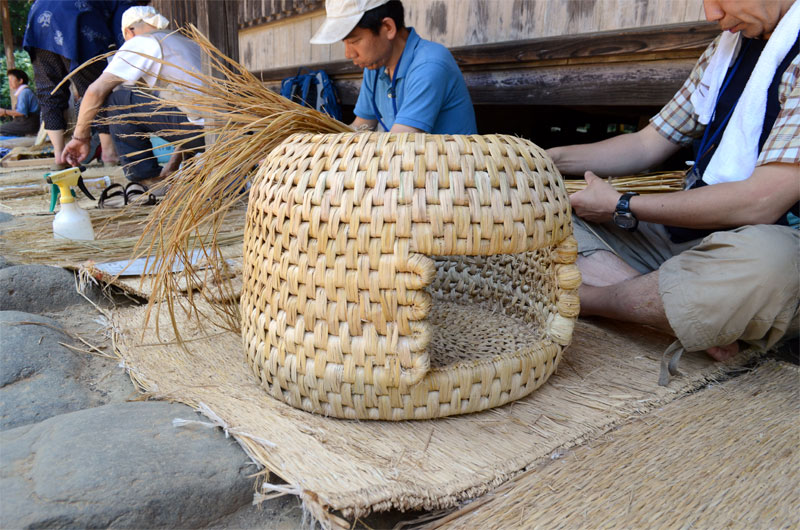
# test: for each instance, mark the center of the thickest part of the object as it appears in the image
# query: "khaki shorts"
(741, 284)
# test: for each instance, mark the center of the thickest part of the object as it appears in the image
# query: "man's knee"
(733, 285)
(770, 252)
(121, 96)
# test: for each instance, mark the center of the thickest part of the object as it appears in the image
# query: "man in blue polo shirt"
(410, 84)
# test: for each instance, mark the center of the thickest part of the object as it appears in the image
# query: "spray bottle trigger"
(54, 192)
(83, 188)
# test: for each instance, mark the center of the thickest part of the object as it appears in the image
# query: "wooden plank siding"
(257, 12)
(625, 67)
(457, 23)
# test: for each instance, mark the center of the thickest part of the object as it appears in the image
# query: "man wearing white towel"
(717, 263)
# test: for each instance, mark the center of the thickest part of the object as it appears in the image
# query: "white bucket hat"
(146, 14)
(341, 16)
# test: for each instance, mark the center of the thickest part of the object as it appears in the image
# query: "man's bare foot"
(723, 353)
(155, 186)
(108, 152)
(151, 182)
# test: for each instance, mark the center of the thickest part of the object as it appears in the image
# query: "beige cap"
(146, 14)
(341, 16)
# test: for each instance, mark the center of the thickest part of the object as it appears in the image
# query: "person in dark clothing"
(59, 37)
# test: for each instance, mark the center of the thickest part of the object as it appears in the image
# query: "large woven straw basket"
(407, 276)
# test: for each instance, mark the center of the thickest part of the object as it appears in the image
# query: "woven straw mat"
(407, 276)
(723, 457)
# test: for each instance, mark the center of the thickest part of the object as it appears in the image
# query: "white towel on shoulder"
(737, 154)
(704, 98)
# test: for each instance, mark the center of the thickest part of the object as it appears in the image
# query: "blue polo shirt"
(431, 93)
(27, 103)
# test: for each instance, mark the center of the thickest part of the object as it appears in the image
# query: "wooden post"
(217, 20)
(8, 38)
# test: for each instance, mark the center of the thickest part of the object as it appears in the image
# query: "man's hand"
(75, 151)
(597, 201)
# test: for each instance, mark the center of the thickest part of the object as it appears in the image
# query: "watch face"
(625, 220)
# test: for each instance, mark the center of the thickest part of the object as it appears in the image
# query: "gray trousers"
(21, 126)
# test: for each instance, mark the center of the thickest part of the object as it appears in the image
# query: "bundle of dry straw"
(244, 121)
(643, 183)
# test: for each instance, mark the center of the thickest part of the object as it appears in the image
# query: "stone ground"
(80, 450)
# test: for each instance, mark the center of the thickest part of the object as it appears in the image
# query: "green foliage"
(23, 62)
(19, 18)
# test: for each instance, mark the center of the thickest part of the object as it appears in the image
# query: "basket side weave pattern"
(365, 253)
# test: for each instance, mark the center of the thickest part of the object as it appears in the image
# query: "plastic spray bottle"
(71, 221)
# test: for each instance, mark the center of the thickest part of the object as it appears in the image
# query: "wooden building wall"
(283, 41)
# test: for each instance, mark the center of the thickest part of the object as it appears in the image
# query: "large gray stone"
(5, 217)
(120, 466)
(40, 289)
(38, 376)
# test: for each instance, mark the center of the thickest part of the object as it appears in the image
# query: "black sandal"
(137, 194)
(112, 197)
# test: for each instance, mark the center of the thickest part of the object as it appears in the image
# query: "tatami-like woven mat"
(607, 374)
(724, 457)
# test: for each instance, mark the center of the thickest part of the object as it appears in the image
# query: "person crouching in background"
(25, 115)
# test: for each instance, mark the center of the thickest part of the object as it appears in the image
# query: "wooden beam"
(8, 37)
(601, 84)
(656, 40)
(28, 162)
(624, 84)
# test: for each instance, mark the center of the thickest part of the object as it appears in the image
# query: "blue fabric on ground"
(160, 150)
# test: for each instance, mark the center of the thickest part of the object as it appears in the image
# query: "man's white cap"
(341, 16)
(146, 14)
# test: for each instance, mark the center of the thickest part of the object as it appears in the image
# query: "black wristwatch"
(623, 216)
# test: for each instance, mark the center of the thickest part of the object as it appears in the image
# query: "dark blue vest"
(750, 54)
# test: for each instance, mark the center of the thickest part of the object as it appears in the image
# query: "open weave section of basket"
(407, 276)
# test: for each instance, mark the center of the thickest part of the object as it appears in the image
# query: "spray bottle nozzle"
(62, 181)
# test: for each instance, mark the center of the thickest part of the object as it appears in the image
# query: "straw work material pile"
(724, 457)
(610, 374)
(407, 276)
(645, 183)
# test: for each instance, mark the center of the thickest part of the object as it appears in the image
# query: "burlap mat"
(724, 457)
(608, 374)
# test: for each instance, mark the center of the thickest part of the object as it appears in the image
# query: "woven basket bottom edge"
(484, 359)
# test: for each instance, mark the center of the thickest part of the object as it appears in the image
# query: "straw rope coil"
(407, 276)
